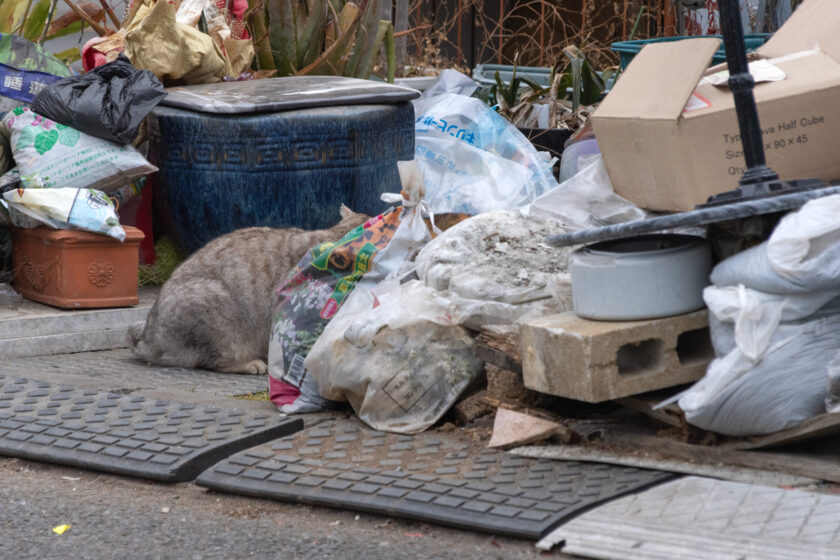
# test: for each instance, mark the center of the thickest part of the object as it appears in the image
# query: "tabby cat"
(215, 310)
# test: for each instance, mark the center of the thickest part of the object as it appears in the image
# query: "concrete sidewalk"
(28, 328)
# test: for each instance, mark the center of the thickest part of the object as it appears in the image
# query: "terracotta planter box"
(76, 269)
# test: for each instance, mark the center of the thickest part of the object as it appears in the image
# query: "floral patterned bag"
(309, 298)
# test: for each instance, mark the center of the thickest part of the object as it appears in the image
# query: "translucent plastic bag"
(451, 81)
(480, 160)
(586, 200)
(465, 179)
(397, 355)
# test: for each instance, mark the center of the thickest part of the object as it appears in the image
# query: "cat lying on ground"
(215, 310)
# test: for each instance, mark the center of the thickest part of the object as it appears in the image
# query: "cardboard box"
(670, 142)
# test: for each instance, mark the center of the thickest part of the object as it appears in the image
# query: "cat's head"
(348, 217)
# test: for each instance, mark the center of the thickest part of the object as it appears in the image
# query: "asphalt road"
(117, 517)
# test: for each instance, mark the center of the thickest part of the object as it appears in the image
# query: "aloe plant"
(332, 37)
(507, 96)
(571, 72)
(586, 84)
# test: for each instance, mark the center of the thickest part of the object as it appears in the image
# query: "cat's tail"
(135, 339)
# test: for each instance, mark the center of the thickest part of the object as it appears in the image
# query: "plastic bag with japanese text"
(49, 154)
(473, 159)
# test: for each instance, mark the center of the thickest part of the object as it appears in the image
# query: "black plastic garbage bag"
(108, 102)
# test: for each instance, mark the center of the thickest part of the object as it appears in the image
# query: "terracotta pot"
(76, 269)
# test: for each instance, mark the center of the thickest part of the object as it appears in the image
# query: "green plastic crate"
(628, 49)
(485, 74)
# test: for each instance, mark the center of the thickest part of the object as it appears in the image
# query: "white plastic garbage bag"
(754, 316)
(775, 325)
(787, 385)
(801, 256)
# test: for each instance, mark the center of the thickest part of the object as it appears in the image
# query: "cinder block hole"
(695, 346)
(639, 357)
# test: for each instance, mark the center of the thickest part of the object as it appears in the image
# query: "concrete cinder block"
(596, 361)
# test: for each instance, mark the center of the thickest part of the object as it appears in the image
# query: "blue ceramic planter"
(219, 173)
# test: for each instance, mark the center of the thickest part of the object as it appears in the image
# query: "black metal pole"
(741, 85)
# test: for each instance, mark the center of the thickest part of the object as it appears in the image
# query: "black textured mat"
(128, 435)
(424, 477)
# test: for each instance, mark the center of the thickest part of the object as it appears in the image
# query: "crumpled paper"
(176, 54)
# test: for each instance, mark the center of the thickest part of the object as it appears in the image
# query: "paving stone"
(96, 442)
(121, 368)
(695, 518)
(433, 493)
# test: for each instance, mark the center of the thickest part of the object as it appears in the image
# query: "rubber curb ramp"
(128, 435)
(424, 477)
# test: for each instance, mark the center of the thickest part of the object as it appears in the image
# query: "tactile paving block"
(697, 518)
(424, 477)
(128, 435)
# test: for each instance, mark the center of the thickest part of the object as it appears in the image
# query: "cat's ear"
(345, 212)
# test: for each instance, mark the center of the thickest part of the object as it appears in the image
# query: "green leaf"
(11, 11)
(592, 85)
(370, 52)
(45, 141)
(309, 43)
(69, 56)
(36, 20)
(68, 136)
(281, 32)
(75, 27)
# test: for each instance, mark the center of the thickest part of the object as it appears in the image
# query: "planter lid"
(282, 94)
